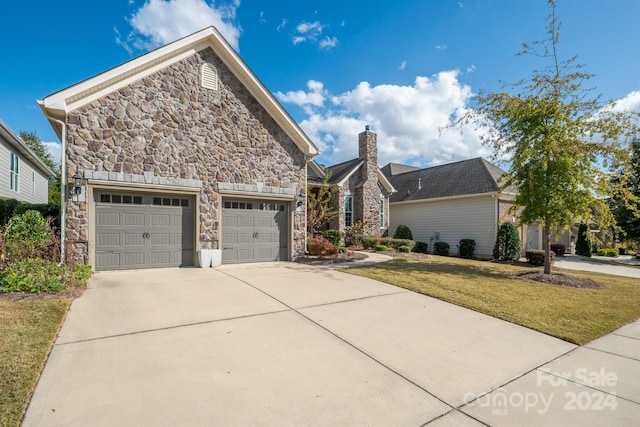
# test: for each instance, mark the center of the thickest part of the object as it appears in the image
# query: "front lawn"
(576, 315)
(27, 331)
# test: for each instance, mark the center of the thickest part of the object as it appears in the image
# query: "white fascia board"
(346, 178)
(314, 165)
(385, 182)
(98, 86)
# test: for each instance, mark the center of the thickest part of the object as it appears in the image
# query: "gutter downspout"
(63, 181)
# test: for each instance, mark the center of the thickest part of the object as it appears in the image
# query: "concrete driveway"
(279, 344)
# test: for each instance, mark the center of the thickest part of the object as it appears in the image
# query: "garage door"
(143, 231)
(254, 231)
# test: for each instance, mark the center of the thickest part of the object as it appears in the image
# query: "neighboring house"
(450, 202)
(23, 176)
(361, 189)
(186, 158)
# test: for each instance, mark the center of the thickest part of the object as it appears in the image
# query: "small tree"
(508, 245)
(319, 210)
(37, 146)
(583, 243)
(27, 235)
(403, 232)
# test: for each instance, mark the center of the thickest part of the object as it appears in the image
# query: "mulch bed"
(340, 258)
(559, 279)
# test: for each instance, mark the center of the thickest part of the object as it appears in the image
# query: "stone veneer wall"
(167, 125)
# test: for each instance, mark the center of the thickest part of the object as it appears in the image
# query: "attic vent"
(209, 77)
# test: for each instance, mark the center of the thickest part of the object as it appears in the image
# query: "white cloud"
(158, 22)
(441, 47)
(328, 42)
(407, 119)
(283, 23)
(262, 18)
(471, 68)
(311, 32)
(631, 102)
(403, 65)
(54, 149)
(314, 97)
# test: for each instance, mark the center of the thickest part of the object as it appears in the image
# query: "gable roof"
(466, 177)
(57, 105)
(342, 172)
(396, 168)
(23, 149)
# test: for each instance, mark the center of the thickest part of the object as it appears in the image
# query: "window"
(381, 213)
(121, 198)
(14, 174)
(348, 211)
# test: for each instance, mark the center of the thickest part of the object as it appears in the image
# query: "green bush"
(467, 248)
(34, 275)
(46, 210)
(27, 235)
(404, 249)
(381, 248)
(369, 242)
(334, 236)
(403, 232)
(584, 246)
(508, 244)
(535, 257)
(421, 247)
(612, 252)
(396, 243)
(602, 252)
(441, 248)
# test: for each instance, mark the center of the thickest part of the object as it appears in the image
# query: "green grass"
(27, 332)
(573, 314)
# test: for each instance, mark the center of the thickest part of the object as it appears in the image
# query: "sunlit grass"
(573, 314)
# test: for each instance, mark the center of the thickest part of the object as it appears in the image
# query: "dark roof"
(475, 176)
(342, 170)
(312, 173)
(396, 169)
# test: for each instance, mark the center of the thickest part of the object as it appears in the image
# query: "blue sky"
(403, 67)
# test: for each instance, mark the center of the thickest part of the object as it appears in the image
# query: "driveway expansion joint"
(625, 336)
(352, 300)
(612, 353)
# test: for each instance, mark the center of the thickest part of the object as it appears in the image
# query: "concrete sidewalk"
(575, 262)
(289, 344)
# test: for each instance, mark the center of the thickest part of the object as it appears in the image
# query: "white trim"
(437, 199)
(73, 97)
(350, 174)
(385, 182)
(317, 168)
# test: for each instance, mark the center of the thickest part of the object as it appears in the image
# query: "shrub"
(612, 252)
(381, 248)
(369, 242)
(441, 248)
(396, 243)
(35, 275)
(27, 235)
(421, 247)
(558, 249)
(7, 210)
(467, 248)
(404, 249)
(535, 257)
(354, 234)
(508, 244)
(321, 246)
(403, 232)
(602, 252)
(584, 246)
(46, 210)
(334, 236)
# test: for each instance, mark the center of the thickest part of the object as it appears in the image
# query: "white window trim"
(350, 211)
(14, 175)
(382, 208)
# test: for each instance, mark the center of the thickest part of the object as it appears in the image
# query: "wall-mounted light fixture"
(301, 198)
(76, 186)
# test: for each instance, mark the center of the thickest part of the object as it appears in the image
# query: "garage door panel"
(108, 219)
(150, 233)
(254, 231)
(133, 219)
(109, 239)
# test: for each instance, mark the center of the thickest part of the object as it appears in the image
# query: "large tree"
(37, 146)
(562, 143)
(626, 211)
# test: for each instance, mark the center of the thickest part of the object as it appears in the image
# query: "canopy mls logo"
(583, 394)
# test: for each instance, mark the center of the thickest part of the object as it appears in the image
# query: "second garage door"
(254, 231)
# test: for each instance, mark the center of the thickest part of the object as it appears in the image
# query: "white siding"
(26, 192)
(455, 219)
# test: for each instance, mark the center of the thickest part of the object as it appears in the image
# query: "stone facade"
(365, 190)
(167, 128)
